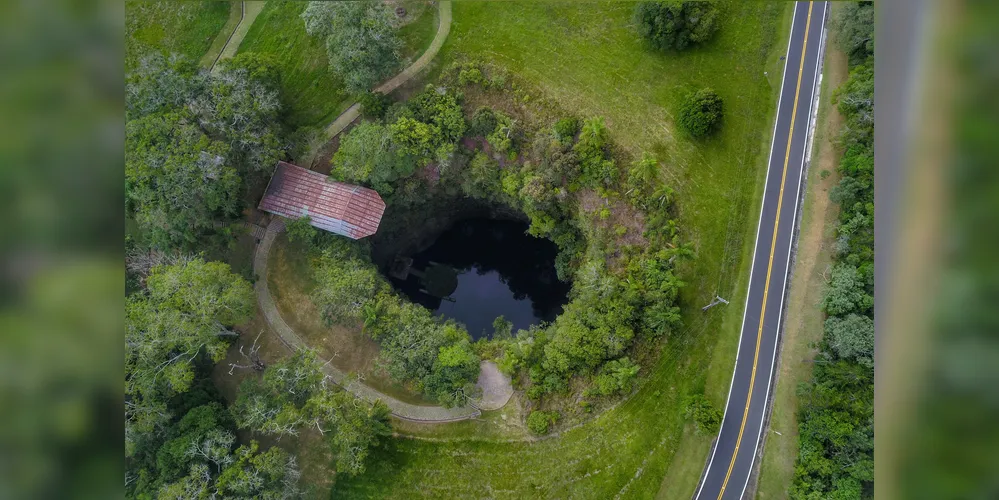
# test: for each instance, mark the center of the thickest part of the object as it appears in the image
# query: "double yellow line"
(770, 264)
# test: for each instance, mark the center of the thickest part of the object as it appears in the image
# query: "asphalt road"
(731, 462)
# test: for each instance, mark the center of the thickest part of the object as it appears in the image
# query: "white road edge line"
(810, 131)
(756, 244)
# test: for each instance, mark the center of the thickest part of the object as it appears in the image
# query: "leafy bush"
(566, 130)
(707, 418)
(483, 122)
(374, 104)
(301, 231)
(674, 25)
(701, 113)
(540, 422)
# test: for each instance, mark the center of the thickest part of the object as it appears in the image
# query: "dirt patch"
(496, 388)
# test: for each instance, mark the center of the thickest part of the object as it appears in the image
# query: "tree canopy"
(700, 113)
(675, 25)
(361, 42)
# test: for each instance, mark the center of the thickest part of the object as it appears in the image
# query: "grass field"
(185, 28)
(587, 59)
(803, 326)
(312, 94)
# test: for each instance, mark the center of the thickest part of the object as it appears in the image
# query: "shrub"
(566, 130)
(301, 231)
(540, 422)
(483, 122)
(374, 104)
(706, 417)
(701, 112)
(676, 25)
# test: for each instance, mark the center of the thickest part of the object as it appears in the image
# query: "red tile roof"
(352, 211)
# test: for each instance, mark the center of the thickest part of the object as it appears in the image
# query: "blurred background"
(62, 249)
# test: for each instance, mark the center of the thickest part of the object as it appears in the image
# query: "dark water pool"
(501, 270)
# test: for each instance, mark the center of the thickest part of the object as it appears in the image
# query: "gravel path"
(292, 340)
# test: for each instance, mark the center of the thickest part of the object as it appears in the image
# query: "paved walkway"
(354, 111)
(292, 340)
(250, 12)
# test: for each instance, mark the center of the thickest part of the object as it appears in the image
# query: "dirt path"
(354, 111)
(496, 387)
(250, 11)
(291, 339)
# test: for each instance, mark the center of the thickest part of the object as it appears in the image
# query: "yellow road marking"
(773, 245)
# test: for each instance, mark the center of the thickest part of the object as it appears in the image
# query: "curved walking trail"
(354, 111)
(250, 11)
(292, 340)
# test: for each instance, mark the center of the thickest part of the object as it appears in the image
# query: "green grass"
(417, 35)
(587, 59)
(185, 28)
(312, 94)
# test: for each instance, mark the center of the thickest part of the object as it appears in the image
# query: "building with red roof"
(345, 209)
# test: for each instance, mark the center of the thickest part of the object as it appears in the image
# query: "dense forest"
(836, 416)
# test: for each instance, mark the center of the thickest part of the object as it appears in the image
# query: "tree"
(374, 104)
(707, 418)
(700, 113)
(361, 43)
(198, 459)
(370, 154)
(540, 422)
(178, 181)
(644, 173)
(846, 292)
(596, 168)
(191, 136)
(854, 28)
(566, 130)
(301, 230)
(294, 394)
(674, 25)
(851, 337)
(343, 287)
(185, 312)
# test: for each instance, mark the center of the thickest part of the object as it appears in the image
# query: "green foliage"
(566, 130)
(851, 337)
(429, 126)
(540, 422)
(377, 155)
(483, 122)
(502, 328)
(836, 416)
(300, 230)
(644, 174)
(294, 394)
(197, 460)
(184, 313)
(190, 138)
(415, 347)
(374, 104)
(596, 168)
(700, 113)
(847, 292)
(361, 43)
(854, 28)
(481, 178)
(615, 377)
(263, 68)
(675, 25)
(501, 137)
(707, 418)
